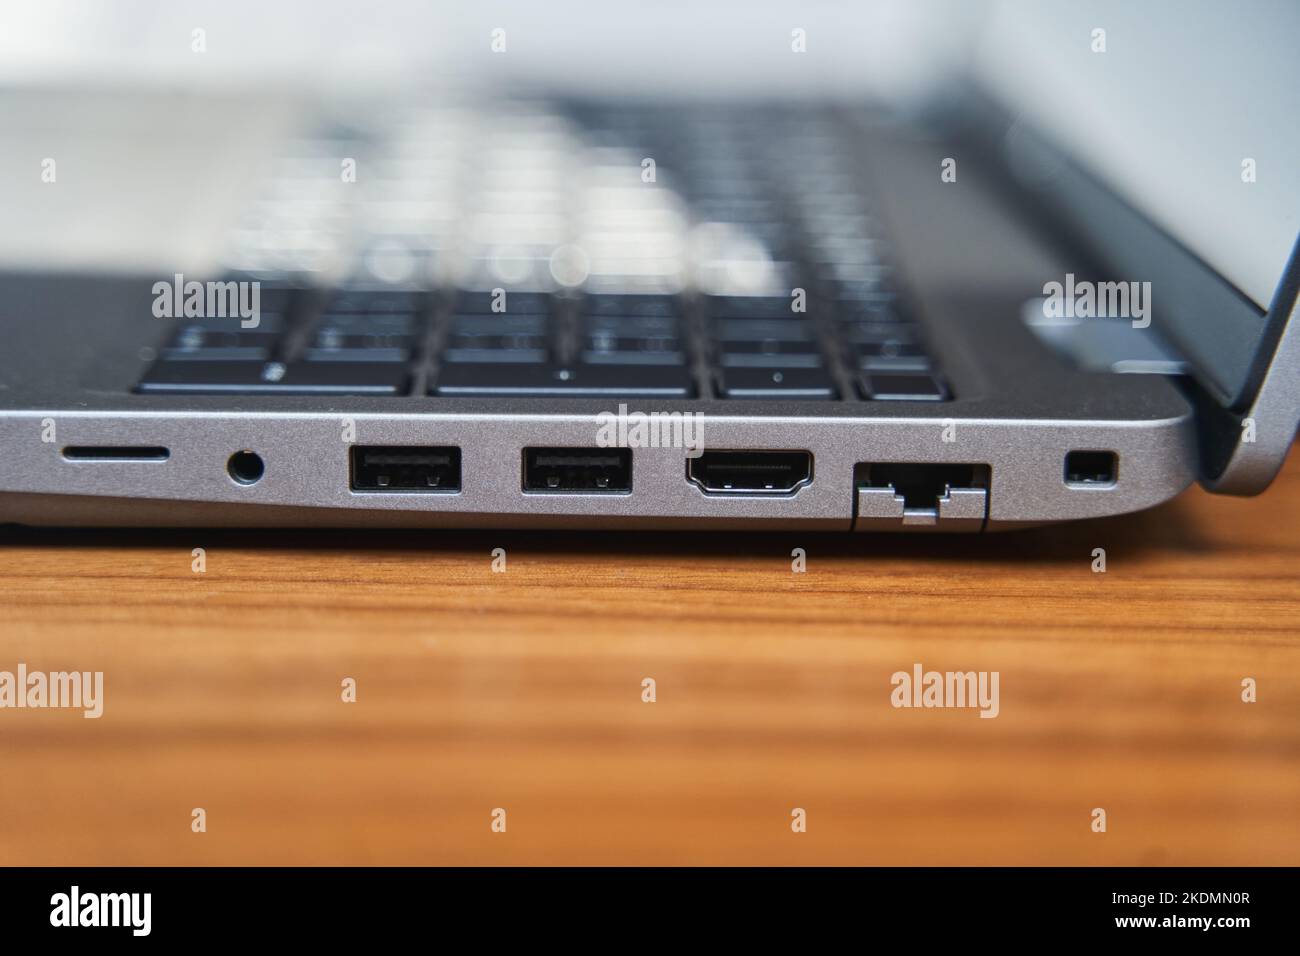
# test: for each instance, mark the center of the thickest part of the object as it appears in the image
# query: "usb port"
(578, 470)
(405, 468)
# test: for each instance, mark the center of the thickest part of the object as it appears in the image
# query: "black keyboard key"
(336, 345)
(277, 298)
(260, 378)
(499, 325)
(632, 326)
(195, 343)
(738, 209)
(787, 383)
(880, 332)
(891, 355)
(504, 303)
(498, 338)
(862, 290)
(377, 302)
(341, 378)
(376, 337)
(266, 322)
(902, 363)
(882, 311)
(751, 306)
(496, 348)
(577, 381)
(778, 362)
(375, 323)
(630, 305)
(632, 340)
(917, 387)
(332, 337)
(202, 377)
(634, 356)
(769, 353)
(854, 272)
(761, 330)
(606, 348)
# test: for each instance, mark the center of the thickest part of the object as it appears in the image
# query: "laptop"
(534, 303)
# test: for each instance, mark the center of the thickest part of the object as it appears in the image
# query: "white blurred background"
(1184, 92)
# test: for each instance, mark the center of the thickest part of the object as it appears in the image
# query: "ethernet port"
(919, 497)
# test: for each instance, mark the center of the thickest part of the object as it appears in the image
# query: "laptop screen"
(1180, 107)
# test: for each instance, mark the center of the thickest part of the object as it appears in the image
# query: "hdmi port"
(750, 472)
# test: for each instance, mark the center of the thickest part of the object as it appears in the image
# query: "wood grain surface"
(522, 690)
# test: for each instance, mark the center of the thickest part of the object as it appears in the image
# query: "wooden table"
(522, 690)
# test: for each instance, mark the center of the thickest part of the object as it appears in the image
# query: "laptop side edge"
(1243, 451)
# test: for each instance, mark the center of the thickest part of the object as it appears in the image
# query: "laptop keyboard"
(748, 266)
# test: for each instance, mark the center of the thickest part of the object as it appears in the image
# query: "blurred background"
(159, 113)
